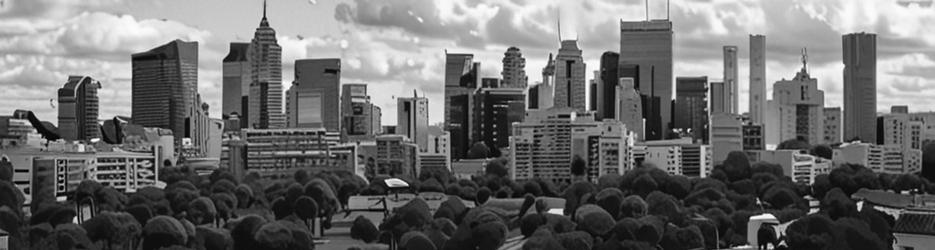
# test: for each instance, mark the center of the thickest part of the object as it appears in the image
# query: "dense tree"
(737, 166)
(497, 167)
(793, 144)
(478, 151)
(578, 166)
(836, 205)
(822, 150)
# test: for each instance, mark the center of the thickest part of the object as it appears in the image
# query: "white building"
(879, 158)
(802, 168)
(726, 135)
(545, 143)
(799, 107)
(437, 155)
(676, 157)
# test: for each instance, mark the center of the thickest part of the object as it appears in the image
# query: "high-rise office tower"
(514, 69)
(495, 111)
(357, 117)
(691, 106)
(236, 80)
(316, 95)
(757, 97)
(461, 81)
(265, 102)
(629, 107)
(412, 119)
(608, 85)
(78, 109)
(860, 86)
(546, 89)
(800, 108)
(730, 79)
(570, 71)
(592, 91)
(647, 45)
(165, 87)
(717, 99)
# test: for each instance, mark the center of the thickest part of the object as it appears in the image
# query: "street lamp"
(717, 235)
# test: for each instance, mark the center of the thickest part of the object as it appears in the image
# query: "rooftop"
(915, 223)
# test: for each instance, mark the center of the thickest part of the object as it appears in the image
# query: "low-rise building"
(279, 153)
(802, 168)
(676, 157)
(878, 158)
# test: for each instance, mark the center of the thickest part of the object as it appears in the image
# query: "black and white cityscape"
(467, 124)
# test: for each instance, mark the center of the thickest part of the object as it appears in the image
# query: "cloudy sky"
(398, 46)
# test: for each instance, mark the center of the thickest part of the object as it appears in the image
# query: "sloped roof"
(915, 223)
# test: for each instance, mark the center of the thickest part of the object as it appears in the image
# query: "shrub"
(576, 240)
(415, 240)
(364, 230)
(274, 236)
(530, 222)
(163, 231)
(243, 232)
(542, 239)
(594, 220)
(483, 194)
(574, 194)
(610, 199)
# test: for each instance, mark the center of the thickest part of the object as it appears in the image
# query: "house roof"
(915, 223)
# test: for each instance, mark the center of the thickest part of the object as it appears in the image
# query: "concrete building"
(726, 136)
(832, 125)
(78, 108)
(235, 84)
(879, 158)
(514, 69)
(753, 137)
(913, 230)
(436, 156)
(629, 108)
(265, 101)
(461, 81)
(899, 109)
(278, 153)
(592, 91)
(928, 124)
(718, 101)
(546, 142)
(646, 48)
(730, 79)
(495, 111)
(412, 119)
(800, 105)
(165, 87)
(893, 129)
(860, 86)
(691, 106)
(802, 168)
(396, 156)
(570, 72)
(757, 96)
(607, 87)
(360, 119)
(676, 157)
(314, 99)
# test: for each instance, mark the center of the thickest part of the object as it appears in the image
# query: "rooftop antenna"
(805, 59)
(559, 25)
(668, 4)
(264, 9)
(647, 10)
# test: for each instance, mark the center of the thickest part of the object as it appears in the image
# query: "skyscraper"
(78, 109)
(647, 45)
(461, 81)
(316, 96)
(608, 85)
(412, 119)
(730, 79)
(860, 86)
(717, 99)
(757, 97)
(570, 71)
(357, 113)
(165, 87)
(629, 107)
(800, 108)
(514, 69)
(546, 89)
(265, 55)
(495, 111)
(236, 82)
(691, 106)
(592, 91)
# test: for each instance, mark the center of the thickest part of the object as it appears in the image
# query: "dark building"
(265, 98)
(315, 95)
(652, 105)
(489, 82)
(592, 96)
(165, 86)
(235, 85)
(461, 81)
(78, 109)
(648, 44)
(606, 92)
(691, 106)
(514, 69)
(533, 97)
(359, 121)
(860, 86)
(753, 137)
(495, 111)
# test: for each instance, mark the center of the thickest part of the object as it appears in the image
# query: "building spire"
(264, 9)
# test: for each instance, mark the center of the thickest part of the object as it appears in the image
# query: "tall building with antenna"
(646, 47)
(570, 73)
(265, 56)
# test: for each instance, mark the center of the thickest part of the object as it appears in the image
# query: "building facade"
(832, 125)
(800, 105)
(314, 99)
(607, 87)
(165, 87)
(435, 157)
(360, 119)
(412, 114)
(278, 153)
(265, 98)
(691, 106)
(726, 135)
(753, 137)
(78, 109)
(461, 80)
(514, 69)
(235, 84)
(629, 108)
(730, 79)
(860, 86)
(646, 46)
(396, 156)
(757, 96)
(570, 73)
(495, 111)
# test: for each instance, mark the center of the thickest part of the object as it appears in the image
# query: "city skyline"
(404, 49)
